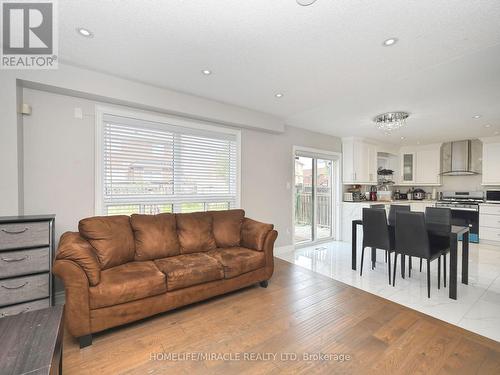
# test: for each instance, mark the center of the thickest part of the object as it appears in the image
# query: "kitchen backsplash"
(456, 183)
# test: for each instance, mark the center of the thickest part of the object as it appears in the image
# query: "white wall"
(98, 86)
(59, 164)
(267, 167)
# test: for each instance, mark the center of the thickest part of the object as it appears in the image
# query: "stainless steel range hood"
(461, 158)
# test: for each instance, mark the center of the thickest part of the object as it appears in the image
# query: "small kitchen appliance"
(493, 196)
(418, 194)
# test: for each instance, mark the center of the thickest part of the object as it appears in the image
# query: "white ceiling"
(327, 59)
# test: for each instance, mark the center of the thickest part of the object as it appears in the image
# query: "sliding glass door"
(323, 195)
(313, 199)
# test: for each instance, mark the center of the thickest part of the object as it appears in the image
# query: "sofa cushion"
(111, 237)
(195, 232)
(189, 269)
(253, 234)
(227, 227)
(238, 260)
(155, 236)
(127, 282)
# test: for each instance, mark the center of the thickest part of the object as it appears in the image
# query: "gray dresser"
(26, 252)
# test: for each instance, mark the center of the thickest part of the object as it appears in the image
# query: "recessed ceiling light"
(206, 72)
(402, 138)
(476, 116)
(84, 32)
(487, 126)
(305, 3)
(390, 42)
(279, 95)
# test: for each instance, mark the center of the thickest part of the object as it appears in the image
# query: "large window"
(154, 165)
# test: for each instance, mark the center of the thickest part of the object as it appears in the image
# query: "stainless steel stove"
(465, 209)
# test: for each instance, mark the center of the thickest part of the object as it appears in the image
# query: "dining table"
(455, 233)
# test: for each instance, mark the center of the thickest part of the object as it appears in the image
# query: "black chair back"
(379, 206)
(438, 219)
(375, 229)
(411, 235)
(392, 212)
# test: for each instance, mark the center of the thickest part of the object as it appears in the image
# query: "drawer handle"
(8, 260)
(14, 231)
(21, 312)
(14, 287)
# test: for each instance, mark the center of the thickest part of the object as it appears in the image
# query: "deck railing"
(303, 207)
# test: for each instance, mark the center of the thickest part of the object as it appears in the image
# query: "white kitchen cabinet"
(491, 161)
(428, 166)
(351, 211)
(420, 165)
(420, 206)
(489, 222)
(407, 168)
(359, 161)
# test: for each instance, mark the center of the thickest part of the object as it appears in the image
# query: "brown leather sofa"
(118, 269)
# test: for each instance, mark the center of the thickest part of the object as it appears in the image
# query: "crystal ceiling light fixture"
(305, 3)
(391, 121)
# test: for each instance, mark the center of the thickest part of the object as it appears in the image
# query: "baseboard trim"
(283, 249)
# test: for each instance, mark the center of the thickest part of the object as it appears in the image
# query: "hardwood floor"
(300, 312)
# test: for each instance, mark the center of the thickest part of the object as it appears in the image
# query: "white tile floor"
(477, 308)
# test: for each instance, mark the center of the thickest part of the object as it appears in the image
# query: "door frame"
(336, 158)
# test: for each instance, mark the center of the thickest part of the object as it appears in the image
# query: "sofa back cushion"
(195, 232)
(155, 236)
(111, 237)
(227, 227)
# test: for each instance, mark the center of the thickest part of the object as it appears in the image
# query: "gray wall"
(59, 164)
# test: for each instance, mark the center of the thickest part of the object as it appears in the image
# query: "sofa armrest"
(76, 287)
(75, 248)
(254, 233)
(269, 251)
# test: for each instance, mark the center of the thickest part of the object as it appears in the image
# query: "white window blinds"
(148, 167)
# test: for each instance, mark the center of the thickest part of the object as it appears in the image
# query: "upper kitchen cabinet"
(359, 161)
(491, 161)
(429, 165)
(420, 165)
(407, 167)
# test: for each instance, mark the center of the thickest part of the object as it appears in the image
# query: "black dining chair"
(394, 208)
(438, 221)
(413, 239)
(376, 235)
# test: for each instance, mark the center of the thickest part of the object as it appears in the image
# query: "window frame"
(168, 121)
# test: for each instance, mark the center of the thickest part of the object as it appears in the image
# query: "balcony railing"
(303, 208)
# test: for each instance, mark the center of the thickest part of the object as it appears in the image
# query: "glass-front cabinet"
(408, 167)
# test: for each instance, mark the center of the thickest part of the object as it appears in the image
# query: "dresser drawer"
(19, 235)
(490, 210)
(21, 289)
(22, 262)
(490, 234)
(24, 307)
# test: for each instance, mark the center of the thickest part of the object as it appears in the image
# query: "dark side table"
(32, 342)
